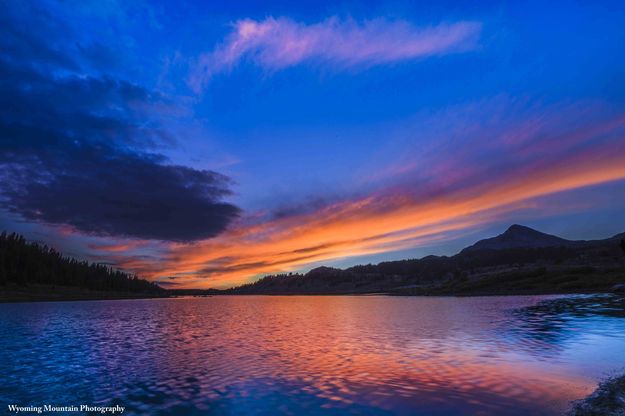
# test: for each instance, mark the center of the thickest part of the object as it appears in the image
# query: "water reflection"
(579, 306)
(314, 355)
(547, 328)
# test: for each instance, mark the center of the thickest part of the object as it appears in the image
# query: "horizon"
(508, 229)
(208, 145)
(305, 271)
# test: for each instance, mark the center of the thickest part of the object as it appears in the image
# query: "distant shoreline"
(519, 262)
(49, 293)
(437, 293)
(44, 293)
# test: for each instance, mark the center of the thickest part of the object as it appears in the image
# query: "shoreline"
(49, 293)
(436, 293)
(71, 294)
(608, 399)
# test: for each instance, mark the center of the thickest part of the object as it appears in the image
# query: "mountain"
(519, 261)
(520, 236)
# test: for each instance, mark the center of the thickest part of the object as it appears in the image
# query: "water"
(312, 355)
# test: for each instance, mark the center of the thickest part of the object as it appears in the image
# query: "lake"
(313, 354)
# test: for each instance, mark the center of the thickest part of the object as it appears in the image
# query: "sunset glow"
(276, 139)
(382, 222)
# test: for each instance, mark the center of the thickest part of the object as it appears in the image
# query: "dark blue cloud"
(77, 148)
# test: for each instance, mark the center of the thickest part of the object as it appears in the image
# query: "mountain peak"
(516, 230)
(519, 228)
(519, 236)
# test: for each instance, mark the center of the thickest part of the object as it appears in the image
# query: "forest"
(520, 261)
(24, 263)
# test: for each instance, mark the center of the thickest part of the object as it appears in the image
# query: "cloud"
(168, 285)
(566, 149)
(278, 43)
(77, 150)
(382, 224)
(123, 195)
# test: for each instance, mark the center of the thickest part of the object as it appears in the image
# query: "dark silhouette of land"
(30, 271)
(607, 400)
(519, 261)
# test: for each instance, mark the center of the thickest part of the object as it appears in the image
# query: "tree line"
(24, 263)
(581, 258)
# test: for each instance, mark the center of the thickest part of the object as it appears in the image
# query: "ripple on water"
(255, 355)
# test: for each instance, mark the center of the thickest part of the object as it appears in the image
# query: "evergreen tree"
(24, 263)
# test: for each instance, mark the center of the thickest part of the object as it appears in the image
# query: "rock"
(607, 400)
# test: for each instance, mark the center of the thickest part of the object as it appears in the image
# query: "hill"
(521, 260)
(30, 271)
(519, 236)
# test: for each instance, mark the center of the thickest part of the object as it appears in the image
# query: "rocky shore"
(607, 400)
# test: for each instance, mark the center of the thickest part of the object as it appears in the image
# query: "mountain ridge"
(519, 260)
(521, 236)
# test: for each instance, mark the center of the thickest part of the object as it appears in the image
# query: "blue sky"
(197, 143)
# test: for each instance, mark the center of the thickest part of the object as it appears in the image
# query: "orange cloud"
(371, 225)
(116, 248)
(403, 217)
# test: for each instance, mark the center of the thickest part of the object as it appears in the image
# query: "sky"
(207, 144)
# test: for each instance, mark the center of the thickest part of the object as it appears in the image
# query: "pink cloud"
(277, 43)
